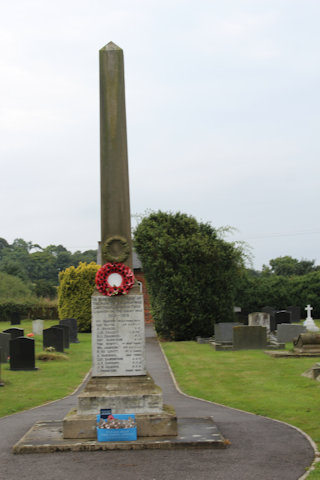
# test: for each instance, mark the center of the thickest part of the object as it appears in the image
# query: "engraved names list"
(118, 339)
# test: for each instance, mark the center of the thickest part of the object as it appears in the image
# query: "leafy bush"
(254, 292)
(74, 293)
(41, 309)
(190, 271)
(14, 289)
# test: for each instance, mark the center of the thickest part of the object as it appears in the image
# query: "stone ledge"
(137, 394)
(148, 425)
(47, 437)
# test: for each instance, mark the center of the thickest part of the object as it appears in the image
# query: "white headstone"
(118, 339)
(309, 322)
(37, 327)
(259, 319)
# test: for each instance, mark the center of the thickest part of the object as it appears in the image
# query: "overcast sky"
(223, 110)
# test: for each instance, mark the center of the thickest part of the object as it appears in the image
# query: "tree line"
(39, 266)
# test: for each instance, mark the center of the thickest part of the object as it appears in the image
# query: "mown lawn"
(251, 381)
(53, 379)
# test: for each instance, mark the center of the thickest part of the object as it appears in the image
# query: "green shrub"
(253, 292)
(42, 309)
(12, 288)
(191, 274)
(74, 293)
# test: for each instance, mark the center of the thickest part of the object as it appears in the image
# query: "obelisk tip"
(111, 46)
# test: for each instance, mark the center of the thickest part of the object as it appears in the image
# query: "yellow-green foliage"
(74, 293)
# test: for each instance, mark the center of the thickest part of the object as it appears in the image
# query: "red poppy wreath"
(114, 279)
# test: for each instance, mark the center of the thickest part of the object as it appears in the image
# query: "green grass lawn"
(248, 380)
(53, 379)
(251, 381)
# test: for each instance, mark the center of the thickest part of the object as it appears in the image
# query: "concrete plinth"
(138, 395)
(148, 425)
(123, 394)
(46, 437)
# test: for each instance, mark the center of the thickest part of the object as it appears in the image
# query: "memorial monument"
(119, 378)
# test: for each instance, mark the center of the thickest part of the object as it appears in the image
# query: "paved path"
(261, 449)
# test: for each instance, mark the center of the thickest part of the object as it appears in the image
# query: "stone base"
(46, 437)
(137, 394)
(148, 425)
(315, 350)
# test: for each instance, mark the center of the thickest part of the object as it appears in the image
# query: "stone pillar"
(115, 199)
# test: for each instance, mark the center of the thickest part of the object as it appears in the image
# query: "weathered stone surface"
(287, 332)
(115, 199)
(46, 437)
(259, 319)
(307, 342)
(118, 338)
(148, 425)
(248, 338)
(123, 394)
(223, 331)
(37, 327)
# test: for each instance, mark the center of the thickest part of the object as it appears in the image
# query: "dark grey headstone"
(14, 332)
(1, 382)
(271, 311)
(295, 313)
(241, 317)
(53, 337)
(22, 355)
(283, 316)
(73, 328)
(223, 331)
(65, 328)
(4, 345)
(249, 338)
(287, 332)
(15, 318)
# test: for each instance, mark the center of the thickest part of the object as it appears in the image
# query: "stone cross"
(115, 200)
(309, 310)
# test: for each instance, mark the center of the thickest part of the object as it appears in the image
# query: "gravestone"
(223, 331)
(295, 313)
(5, 346)
(307, 343)
(14, 332)
(53, 337)
(65, 328)
(259, 319)
(287, 332)
(22, 354)
(249, 338)
(309, 322)
(1, 382)
(15, 318)
(282, 316)
(271, 311)
(73, 328)
(37, 327)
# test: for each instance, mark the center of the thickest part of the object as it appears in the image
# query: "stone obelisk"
(115, 198)
(119, 378)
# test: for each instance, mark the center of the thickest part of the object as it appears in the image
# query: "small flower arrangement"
(114, 423)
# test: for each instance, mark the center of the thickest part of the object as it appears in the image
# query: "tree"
(191, 274)
(288, 266)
